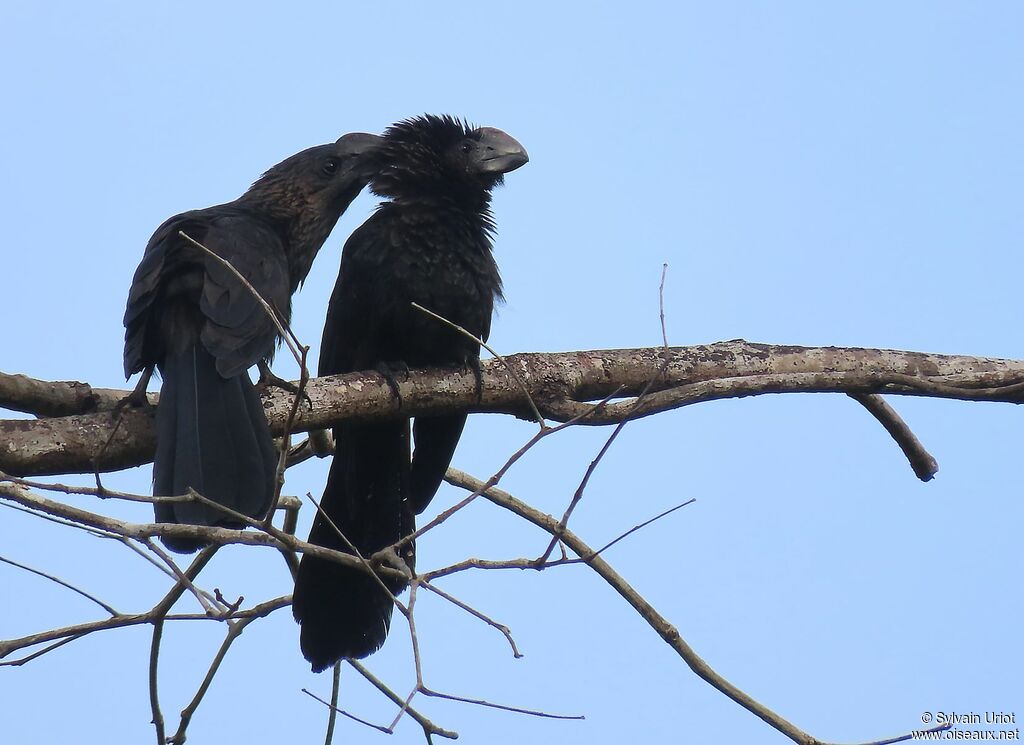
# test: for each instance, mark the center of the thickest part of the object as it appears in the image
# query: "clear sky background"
(813, 173)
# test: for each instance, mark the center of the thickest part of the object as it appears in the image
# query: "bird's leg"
(268, 379)
(137, 398)
(388, 370)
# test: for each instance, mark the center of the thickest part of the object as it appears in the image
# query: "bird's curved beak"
(358, 143)
(499, 152)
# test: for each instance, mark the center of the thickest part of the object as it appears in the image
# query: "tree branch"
(655, 620)
(213, 536)
(924, 464)
(560, 384)
(61, 398)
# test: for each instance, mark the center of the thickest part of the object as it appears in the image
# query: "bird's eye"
(330, 166)
(467, 146)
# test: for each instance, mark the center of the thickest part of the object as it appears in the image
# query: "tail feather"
(436, 438)
(345, 612)
(212, 436)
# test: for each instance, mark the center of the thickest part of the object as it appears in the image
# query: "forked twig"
(664, 629)
(506, 632)
(333, 707)
(428, 726)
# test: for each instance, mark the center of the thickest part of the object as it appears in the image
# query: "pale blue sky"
(813, 173)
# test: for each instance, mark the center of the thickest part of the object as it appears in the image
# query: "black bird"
(192, 318)
(430, 244)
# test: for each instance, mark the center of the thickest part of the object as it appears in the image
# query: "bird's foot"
(473, 363)
(388, 370)
(137, 399)
(269, 380)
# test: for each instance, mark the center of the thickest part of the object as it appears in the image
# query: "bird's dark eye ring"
(330, 166)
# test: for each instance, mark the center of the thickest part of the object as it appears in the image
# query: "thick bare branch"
(57, 398)
(559, 383)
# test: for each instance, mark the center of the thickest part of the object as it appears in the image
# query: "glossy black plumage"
(191, 317)
(430, 243)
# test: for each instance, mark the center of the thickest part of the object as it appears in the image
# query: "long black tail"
(345, 612)
(212, 435)
(436, 438)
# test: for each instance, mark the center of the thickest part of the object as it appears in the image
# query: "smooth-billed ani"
(193, 319)
(430, 243)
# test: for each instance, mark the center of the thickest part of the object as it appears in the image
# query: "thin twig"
(496, 477)
(635, 528)
(428, 726)
(39, 653)
(506, 632)
(128, 543)
(334, 709)
(205, 602)
(515, 375)
(503, 707)
(159, 612)
(39, 513)
(154, 696)
(282, 461)
(109, 609)
(332, 717)
(184, 581)
(259, 298)
(354, 552)
(661, 305)
(235, 629)
(270, 537)
(99, 533)
(417, 660)
(78, 631)
(522, 564)
(87, 490)
(578, 495)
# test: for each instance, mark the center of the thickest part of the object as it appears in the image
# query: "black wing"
(178, 283)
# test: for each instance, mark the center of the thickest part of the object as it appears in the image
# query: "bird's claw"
(269, 380)
(137, 399)
(387, 370)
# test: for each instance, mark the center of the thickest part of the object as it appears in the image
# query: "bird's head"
(304, 195)
(443, 156)
(321, 180)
